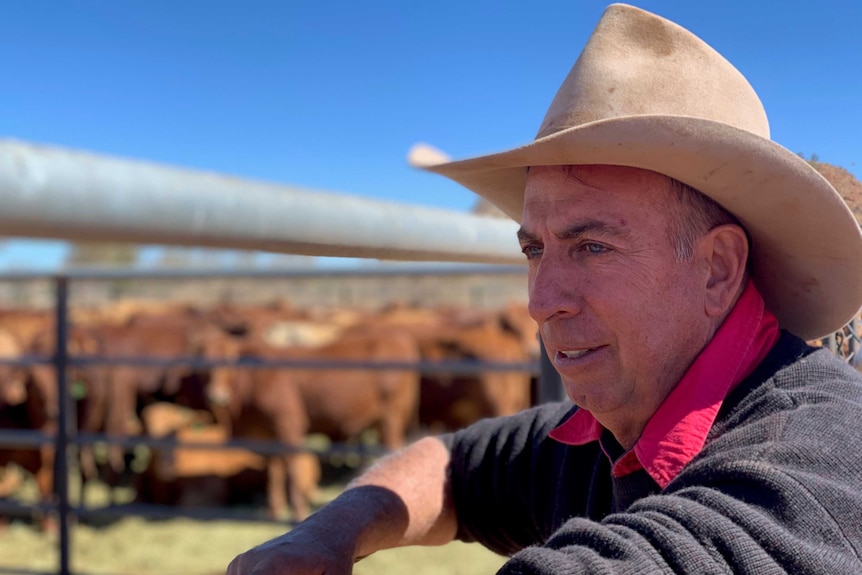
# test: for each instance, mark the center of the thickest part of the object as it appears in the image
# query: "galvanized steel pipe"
(52, 192)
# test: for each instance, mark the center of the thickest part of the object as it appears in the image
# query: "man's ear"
(725, 251)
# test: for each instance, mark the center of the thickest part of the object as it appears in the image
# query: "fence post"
(853, 341)
(66, 424)
(831, 343)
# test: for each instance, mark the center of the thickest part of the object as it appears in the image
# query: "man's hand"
(308, 549)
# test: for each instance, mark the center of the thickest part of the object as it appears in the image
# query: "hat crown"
(637, 63)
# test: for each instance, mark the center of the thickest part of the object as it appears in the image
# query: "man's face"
(621, 318)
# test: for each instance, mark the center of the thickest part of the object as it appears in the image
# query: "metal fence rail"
(58, 193)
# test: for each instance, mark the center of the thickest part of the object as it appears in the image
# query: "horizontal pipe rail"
(24, 438)
(463, 367)
(377, 271)
(53, 192)
(16, 509)
(31, 439)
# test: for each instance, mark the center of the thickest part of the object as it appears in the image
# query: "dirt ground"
(137, 546)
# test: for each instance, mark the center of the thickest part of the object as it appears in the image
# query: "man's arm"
(403, 499)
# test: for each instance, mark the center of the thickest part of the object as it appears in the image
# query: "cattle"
(280, 325)
(87, 385)
(127, 311)
(13, 378)
(194, 477)
(288, 403)
(25, 324)
(452, 400)
(515, 318)
(133, 386)
(26, 406)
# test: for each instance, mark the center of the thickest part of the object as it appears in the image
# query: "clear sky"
(331, 94)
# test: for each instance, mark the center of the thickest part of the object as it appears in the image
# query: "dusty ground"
(136, 546)
(181, 547)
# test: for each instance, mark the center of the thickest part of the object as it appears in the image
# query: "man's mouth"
(575, 353)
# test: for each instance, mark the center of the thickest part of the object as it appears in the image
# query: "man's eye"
(531, 251)
(594, 248)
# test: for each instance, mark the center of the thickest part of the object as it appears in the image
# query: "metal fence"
(847, 342)
(68, 439)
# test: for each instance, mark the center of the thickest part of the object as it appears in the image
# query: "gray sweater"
(776, 489)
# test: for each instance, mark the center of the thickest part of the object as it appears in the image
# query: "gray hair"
(692, 215)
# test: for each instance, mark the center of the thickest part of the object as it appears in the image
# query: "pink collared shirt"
(678, 429)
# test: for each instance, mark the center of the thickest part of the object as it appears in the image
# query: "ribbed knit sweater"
(777, 487)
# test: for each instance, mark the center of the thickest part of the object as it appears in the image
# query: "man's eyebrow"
(525, 236)
(591, 226)
(578, 230)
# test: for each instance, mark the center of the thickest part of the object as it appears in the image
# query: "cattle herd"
(230, 393)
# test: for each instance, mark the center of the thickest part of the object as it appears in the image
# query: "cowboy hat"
(647, 93)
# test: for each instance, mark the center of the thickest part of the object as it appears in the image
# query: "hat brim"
(806, 249)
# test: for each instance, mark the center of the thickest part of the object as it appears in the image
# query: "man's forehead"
(617, 187)
(595, 197)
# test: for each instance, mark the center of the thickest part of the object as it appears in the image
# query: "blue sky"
(330, 95)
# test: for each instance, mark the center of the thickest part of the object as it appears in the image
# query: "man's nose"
(553, 291)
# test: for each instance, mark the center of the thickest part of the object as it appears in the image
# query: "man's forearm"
(406, 498)
(402, 500)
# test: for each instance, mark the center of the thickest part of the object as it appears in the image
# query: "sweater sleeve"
(775, 490)
(508, 479)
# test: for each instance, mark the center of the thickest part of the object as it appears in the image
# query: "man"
(676, 257)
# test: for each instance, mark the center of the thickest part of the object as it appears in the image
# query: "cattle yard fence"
(68, 439)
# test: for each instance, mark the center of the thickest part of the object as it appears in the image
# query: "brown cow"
(449, 400)
(188, 476)
(133, 387)
(25, 406)
(288, 404)
(87, 385)
(25, 324)
(13, 378)
(516, 318)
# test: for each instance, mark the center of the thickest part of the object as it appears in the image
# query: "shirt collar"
(678, 429)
